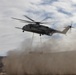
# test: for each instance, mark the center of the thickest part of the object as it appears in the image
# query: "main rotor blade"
(22, 20)
(18, 27)
(29, 18)
(46, 22)
(44, 19)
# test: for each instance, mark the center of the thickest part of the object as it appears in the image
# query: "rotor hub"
(70, 26)
(38, 23)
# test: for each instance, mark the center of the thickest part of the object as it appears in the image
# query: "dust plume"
(55, 56)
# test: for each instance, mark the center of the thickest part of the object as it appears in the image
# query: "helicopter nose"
(23, 28)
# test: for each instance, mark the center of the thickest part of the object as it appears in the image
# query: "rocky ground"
(1, 65)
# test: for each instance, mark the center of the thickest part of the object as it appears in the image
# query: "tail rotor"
(71, 26)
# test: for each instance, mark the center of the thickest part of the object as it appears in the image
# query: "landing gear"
(23, 31)
(40, 34)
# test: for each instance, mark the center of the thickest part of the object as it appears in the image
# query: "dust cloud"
(55, 56)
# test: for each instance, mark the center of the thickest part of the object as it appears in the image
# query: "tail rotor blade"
(71, 23)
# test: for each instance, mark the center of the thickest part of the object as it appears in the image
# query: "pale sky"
(64, 11)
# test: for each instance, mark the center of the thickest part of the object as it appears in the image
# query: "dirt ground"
(2, 74)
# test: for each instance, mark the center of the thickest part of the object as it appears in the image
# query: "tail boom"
(66, 29)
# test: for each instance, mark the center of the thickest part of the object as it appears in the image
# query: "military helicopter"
(39, 28)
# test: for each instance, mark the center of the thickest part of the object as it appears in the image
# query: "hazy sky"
(10, 38)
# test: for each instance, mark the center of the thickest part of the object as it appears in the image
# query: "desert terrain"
(38, 63)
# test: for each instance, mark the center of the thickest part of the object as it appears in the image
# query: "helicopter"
(39, 28)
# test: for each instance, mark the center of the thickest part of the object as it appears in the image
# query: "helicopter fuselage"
(40, 29)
